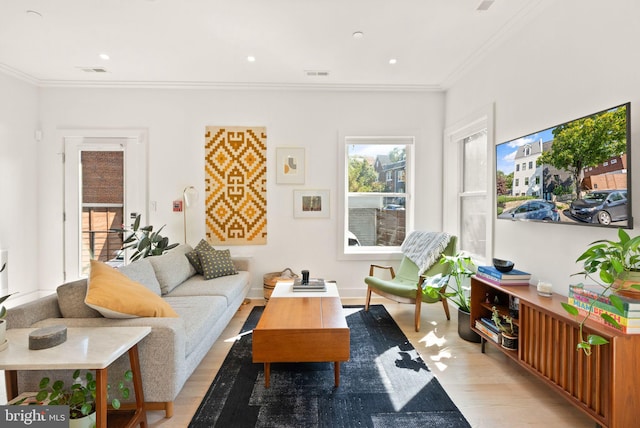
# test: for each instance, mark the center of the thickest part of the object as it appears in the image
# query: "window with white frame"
(376, 197)
(473, 195)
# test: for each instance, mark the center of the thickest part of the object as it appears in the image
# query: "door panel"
(100, 196)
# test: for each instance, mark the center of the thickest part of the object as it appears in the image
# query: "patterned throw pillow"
(217, 263)
(193, 256)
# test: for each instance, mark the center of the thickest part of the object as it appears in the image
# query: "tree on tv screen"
(586, 142)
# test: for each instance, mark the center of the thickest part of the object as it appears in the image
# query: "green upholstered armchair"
(406, 286)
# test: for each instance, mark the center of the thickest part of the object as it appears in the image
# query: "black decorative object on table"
(503, 265)
(397, 390)
(305, 277)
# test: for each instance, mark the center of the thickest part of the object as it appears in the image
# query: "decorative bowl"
(503, 265)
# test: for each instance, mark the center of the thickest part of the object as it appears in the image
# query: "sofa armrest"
(242, 263)
(27, 314)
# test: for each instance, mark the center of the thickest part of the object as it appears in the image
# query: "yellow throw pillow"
(115, 295)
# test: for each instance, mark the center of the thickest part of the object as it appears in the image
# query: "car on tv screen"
(601, 206)
(534, 209)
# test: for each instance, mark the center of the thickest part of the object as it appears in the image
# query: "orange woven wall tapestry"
(236, 185)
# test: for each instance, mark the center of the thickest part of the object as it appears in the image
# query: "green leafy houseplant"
(3, 310)
(81, 395)
(145, 241)
(613, 261)
(503, 322)
(460, 266)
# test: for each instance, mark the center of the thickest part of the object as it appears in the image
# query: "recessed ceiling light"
(393, 61)
(358, 35)
(104, 56)
(251, 58)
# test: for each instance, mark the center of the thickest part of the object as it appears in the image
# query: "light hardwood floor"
(489, 389)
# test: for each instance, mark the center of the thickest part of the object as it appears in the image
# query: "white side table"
(85, 349)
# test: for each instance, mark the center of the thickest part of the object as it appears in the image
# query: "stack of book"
(494, 276)
(588, 297)
(489, 328)
(314, 284)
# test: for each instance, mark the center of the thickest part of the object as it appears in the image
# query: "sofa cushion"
(193, 257)
(71, 300)
(199, 314)
(231, 286)
(216, 263)
(172, 268)
(115, 295)
(141, 271)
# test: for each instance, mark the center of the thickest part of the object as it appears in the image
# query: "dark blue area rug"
(384, 384)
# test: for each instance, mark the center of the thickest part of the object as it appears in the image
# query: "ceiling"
(206, 43)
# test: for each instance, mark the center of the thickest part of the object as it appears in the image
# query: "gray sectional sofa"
(175, 346)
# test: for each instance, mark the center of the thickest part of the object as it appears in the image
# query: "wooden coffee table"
(309, 328)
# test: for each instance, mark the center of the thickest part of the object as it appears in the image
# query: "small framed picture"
(290, 165)
(311, 203)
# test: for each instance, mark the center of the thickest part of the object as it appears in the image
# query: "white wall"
(18, 184)
(576, 58)
(176, 119)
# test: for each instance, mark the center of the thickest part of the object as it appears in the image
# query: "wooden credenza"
(604, 385)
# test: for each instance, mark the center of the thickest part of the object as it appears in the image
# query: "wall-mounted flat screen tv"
(578, 172)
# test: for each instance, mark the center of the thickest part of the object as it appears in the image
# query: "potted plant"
(145, 241)
(80, 396)
(508, 331)
(618, 266)
(3, 322)
(460, 269)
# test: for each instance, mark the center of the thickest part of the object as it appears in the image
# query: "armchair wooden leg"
(368, 299)
(445, 304)
(418, 307)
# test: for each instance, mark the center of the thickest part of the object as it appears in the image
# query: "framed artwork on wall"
(290, 165)
(311, 203)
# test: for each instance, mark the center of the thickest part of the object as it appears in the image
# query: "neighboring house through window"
(376, 199)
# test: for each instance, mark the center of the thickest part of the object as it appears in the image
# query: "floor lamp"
(189, 197)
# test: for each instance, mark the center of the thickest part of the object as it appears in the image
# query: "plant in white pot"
(80, 396)
(460, 270)
(508, 331)
(3, 322)
(617, 265)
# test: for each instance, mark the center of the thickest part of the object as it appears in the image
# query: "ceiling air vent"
(316, 73)
(484, 5)
(93, 69)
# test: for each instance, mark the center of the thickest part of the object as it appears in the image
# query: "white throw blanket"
(424, 248)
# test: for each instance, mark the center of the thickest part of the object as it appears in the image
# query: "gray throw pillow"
(193, 257)
(217, 263)
(141, 271)
(172, 268)
(71, 300)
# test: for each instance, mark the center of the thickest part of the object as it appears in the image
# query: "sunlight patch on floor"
(431, 339)
(237, 337)
(404, 385)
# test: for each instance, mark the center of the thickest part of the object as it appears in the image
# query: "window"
(517, 167)
(524, 166)
(517, 182)
(376, 198)
(526, 181)
(530, 164)
(537, 179)
(614, 161)
(473, 195)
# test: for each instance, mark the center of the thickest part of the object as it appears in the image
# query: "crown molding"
(95, 84)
